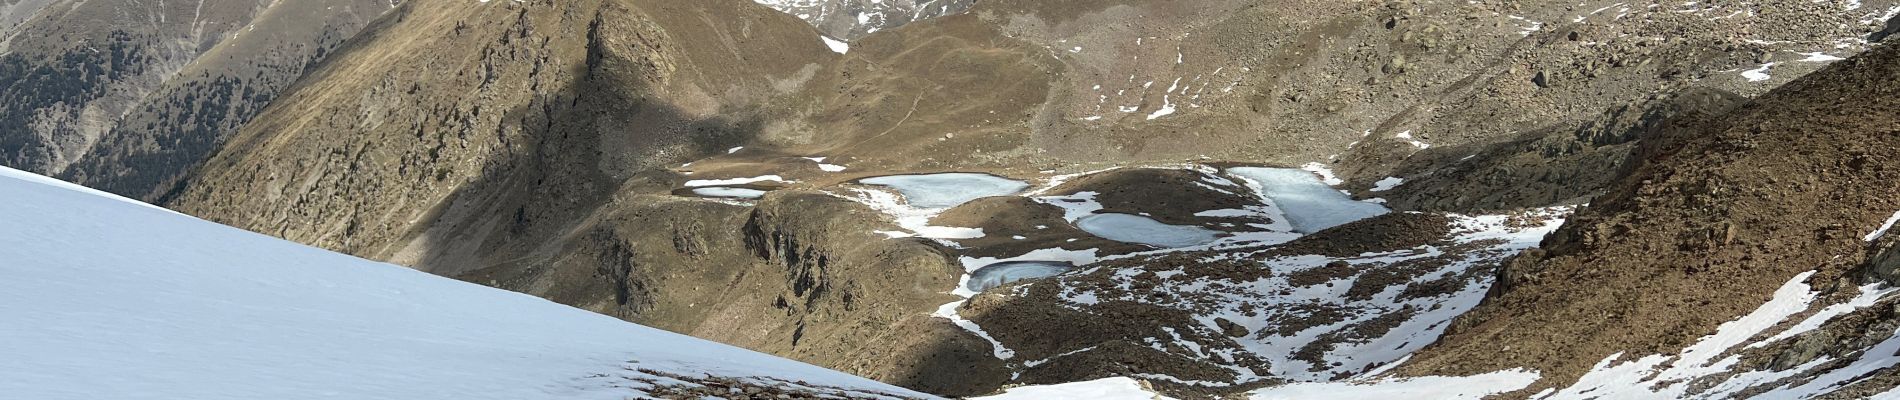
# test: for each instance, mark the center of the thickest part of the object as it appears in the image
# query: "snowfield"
(105, 297)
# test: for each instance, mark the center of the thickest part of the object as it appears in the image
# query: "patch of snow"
(1819, 57)
(1882, 231)
(949, 312)
(837, 46)
(1389, 183)
(1052, 182)
(1407, 137)
(1869, 294)
(1167, 108)
(1325, 174)
(734, 181)
(1698, 367)
(822, 166)
(1116, 388)
(1424, 387)
(1758, 74)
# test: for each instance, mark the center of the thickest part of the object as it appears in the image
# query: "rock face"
(1712, 218)
(128, 96)
(852, 19)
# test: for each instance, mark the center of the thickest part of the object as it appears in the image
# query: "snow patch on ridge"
(836, 46)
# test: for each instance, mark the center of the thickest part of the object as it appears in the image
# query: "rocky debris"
(1381, 233)
(676, 386)
(1553, 165)
(1712, 218)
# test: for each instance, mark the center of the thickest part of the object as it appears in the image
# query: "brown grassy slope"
(1710, 222)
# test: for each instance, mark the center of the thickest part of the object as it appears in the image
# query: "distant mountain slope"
(852, 19)
(128, 95)
(106, 297)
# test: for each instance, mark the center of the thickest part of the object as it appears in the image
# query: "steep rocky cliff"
(128, 96)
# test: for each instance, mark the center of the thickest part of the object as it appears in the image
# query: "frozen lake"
(1310, 205)
(1002, 273)
(1144, 230)
(946, 190)
(729, 192)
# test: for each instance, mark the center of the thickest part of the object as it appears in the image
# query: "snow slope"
(104, 297)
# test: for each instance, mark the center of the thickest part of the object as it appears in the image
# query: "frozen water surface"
(946, 190)
(1310, 205)
(729, 192)
(1144, 230)
(1002, 273)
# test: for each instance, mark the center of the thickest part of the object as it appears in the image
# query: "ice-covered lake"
(729, 192)
(946, 190)
(1310, 205)
(1138, 229)
(1002, 273)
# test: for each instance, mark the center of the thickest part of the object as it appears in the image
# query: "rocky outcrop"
(1711, 219)
(1556, 165)
(809, 281)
